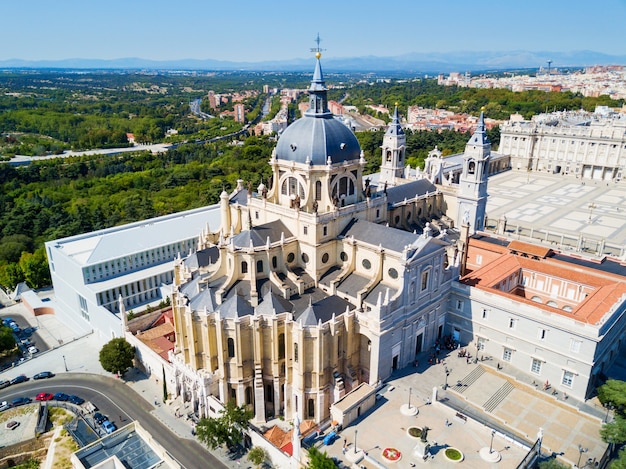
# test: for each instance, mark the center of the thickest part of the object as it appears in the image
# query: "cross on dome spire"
(318, 51)
(318, 100)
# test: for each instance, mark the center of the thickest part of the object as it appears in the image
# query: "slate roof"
(409, 190)
(259, 234)
(273, 303)
(235, 306)
(204, 299)
(389, 238)
(201, 258)
(323, 310)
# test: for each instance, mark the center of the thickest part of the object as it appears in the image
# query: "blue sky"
(260, 30)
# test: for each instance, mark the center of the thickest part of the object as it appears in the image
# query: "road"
(123, 405)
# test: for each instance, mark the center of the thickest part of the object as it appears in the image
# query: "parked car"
(44, 396)
(33, 350)
(4, 383)
(7, 321)
(4, 405)
(108, 427)
(44, 375)
(21, 401)
(19, 379)
(99, 418)
(61, 396)
(76, 400)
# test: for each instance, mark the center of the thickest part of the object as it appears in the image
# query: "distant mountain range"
(430, 63)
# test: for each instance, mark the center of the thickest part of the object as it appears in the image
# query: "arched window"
(318, 190)
(291, 186)
(281, 346)
(259, 266)
(274, 262)
(249, 395)
(471, 167)
(345, 186)
(231, 347)
(295, 352)
(311, 408)
(244, 267)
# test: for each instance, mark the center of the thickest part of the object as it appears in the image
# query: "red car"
(44, 396)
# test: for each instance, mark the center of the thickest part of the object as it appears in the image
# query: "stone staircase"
(496, 398)
(462, 385)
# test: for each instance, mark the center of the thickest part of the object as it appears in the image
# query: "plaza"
(580, 215)
(477, 401)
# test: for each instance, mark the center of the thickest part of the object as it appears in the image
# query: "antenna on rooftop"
(549, 63)
(318, 49)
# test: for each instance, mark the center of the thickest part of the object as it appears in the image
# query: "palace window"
(568, 378)
(536, 366)
(231, 347)
(507, 354)
(295, 352)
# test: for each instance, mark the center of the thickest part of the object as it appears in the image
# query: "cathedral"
(325, 278)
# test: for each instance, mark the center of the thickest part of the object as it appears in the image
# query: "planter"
(391, 454)
(453, 454)
(414, 432)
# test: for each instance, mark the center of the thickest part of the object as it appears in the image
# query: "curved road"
(115, 399)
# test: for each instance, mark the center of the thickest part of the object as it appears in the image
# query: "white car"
(33, 350)
(4, 405)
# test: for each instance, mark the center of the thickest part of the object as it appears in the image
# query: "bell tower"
(394, 146)
(472, 195)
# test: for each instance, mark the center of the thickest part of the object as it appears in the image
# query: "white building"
(91, 271)
(587, 145)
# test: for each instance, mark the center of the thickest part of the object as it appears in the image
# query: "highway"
(123, 405)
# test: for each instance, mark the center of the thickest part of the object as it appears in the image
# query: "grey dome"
(314, 139)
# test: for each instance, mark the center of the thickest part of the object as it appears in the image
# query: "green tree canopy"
(613, 393)
(116, 356)
(258, 456)
(7, 342)
(615, 431)
(225, 429)
(319, 460)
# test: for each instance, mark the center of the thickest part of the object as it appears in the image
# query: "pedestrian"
(447, 423)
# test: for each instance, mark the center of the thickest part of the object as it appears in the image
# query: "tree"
(116, 356)
(319, 460)
(225, 429)
(620, 462)
(613, 393)
(615, 431)
(7, 342)
(258, 456)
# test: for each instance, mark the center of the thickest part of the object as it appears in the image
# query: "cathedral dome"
(313, 139)
(318, 136)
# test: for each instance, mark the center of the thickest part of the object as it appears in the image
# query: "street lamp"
(493, 432)
(355, 432)
(445, 386)
(581, 450)
(591, 207)
(410, 397)
(609, 407)
(64, 363)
